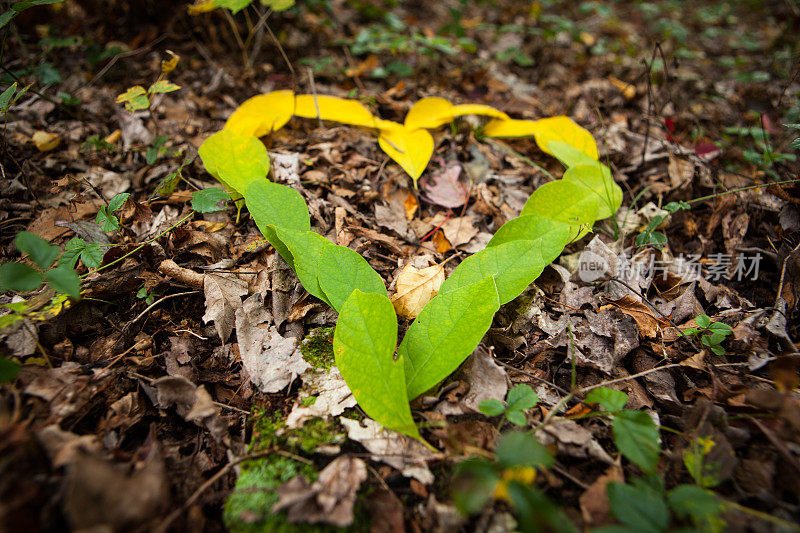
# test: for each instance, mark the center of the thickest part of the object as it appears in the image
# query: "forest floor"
(130, 409)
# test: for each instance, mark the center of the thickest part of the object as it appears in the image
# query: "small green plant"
(8, 369)
(711, 334)
(147, 296)
(764, 156)
(105, 218)
(19, 7)
(21, 277)
(704, 472)
(96, 144)
(137, 97)
(158, 148)
(10, 96)
(519, 399)
(510, 477)
(645, 505)
(650, 236)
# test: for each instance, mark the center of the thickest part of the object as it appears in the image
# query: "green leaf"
(234, 159)
(106, 222)
(520, 448)
(91, 255)
(521, 397)
(8, 369)
(18, 277)
(551, 235)
(118, 201)
(445, 333)
(39, 250)
(6, 17)
(720, 328)
(271, 204)
(609, 399)
(210, 200)
(693, 501)
(306, 249)
(597, 180)
(536, 511)
(278, 5)
(342, 271)
(702, 320)
(564, 201)
(167, 184)
(642, 510)
(363, 346)
(135, 98)
(47, 73)
(64, 280)
(234, 5)
(163, 86)
(517, 418)
(475, 480)
(492, 407)
(72, 252)
(514, 265)
(636, 437)
(5, 98)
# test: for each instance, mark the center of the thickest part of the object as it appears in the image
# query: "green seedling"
(711, 334)
(650, 236)
(22, 277)
(105, 218)
(96, 144)
(519, 399)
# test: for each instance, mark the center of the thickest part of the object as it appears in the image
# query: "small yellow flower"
(522, 474)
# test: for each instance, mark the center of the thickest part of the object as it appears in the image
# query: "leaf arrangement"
(452, 324)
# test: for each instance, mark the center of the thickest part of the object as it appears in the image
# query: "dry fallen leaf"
(329, 499)
(444, 188)
(594, 502)
(45, 141)
(396, 450)
(191, 402)
(332, 397)
(415, 288)
(649, 324)
(271, 360)
(223, 297)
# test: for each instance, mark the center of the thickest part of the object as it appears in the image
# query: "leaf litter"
(128, 427)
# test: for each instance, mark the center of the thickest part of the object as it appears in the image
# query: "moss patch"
(317, 348)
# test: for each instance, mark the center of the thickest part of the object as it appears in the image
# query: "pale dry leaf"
(405, 454)
(460, 230)
(285, 167)
(332, 397)
(594, 501)
(572, 440)
(649, 324)
(271, 360)
(680, 171)
(415, 288)
(223, 297)
(329, 499)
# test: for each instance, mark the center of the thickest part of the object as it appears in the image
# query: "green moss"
(314, 433)
(317, 348)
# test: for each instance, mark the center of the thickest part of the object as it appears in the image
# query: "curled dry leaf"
(444, 188)
(415, 288)
(223, 298)
(329, 499)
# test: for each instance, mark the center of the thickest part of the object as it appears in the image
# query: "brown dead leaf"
(594, 502)
(444, 188)
(649, 324)
(329, 499)
(411, 205)
(415, 288)
(223, 297)
(193, 403)
(441, 242)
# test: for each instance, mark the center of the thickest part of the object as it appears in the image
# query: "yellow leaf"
(429, 113)
(415, 288)
(341, 110)
(479, 109)
(262, 114)
(45, 141)
(410, 149)
(564, 129)
(201, 7)
(521, 474)
(509, 128)
(168, 65)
